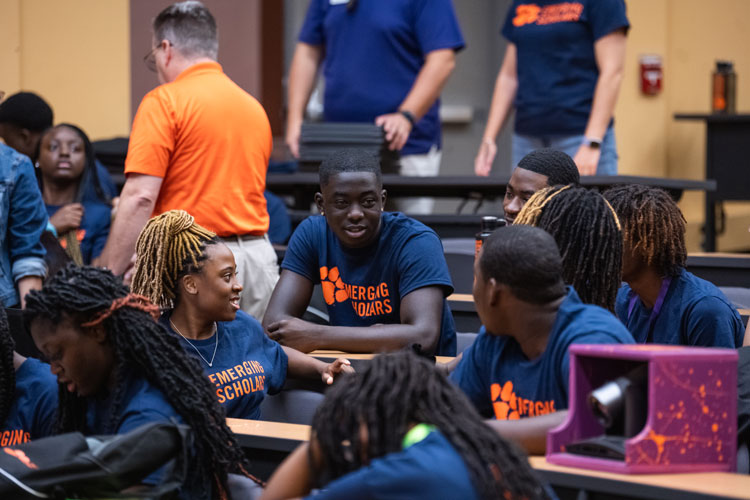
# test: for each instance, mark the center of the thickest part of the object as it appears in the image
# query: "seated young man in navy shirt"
(384, 276)
(517, 369)
(537, 170)
(661, 301)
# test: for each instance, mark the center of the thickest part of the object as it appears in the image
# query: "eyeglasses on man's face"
(150, 58)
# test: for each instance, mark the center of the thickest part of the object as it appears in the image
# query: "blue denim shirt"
(23, 219)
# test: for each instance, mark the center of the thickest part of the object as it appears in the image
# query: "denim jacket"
(23, 219)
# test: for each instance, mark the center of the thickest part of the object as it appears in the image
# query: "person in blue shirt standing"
(118, 370)
(400, 429)
(661, 301)
(383, 62)
(516, 371)
(383, 275)
(67, 170)
(28, 393)
(562, 71)
(22, 222)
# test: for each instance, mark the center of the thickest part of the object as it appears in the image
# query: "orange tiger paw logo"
(333, 288)
(507, 407)
(526, 14)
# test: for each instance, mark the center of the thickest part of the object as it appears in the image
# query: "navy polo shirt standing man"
(384, 61)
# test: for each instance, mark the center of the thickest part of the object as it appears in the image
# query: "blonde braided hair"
(165, 243)
(588, 234)
(532, 209)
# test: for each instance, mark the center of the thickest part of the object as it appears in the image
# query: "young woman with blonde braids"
(188, 272)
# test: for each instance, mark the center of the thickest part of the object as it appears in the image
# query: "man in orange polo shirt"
(201, 144)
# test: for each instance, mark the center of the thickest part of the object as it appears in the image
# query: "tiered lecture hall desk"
(302, 186)
(267, 443)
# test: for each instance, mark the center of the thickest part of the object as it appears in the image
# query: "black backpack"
(72, 465)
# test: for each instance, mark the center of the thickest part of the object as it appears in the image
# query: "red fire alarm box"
(651, 74)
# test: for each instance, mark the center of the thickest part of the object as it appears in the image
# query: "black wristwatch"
(409, 116)
(592, 143)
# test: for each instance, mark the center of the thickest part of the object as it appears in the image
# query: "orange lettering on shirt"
(509, 406)
(560, 13)
(365, 300)
(549, 14)
(526, 14)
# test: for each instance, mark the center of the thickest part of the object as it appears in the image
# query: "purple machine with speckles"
(691, 421)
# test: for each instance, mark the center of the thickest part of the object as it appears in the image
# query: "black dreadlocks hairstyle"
(559, 168)
(587, 231)
(400, 389)
(142, 347)
(7, 371)
(653, 226)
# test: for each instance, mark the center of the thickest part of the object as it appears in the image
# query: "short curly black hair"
(349, 160)
(527, 260)
(559, 168)
(26, 110)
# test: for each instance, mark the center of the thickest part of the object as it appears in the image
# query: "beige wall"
(689, 35)
(75, 53)
(641, 121)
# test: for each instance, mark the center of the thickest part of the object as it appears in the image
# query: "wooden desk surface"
(461, 297)
(720, 255)
(276, 436)
(285, 437)
(715, 484)
(340, 354)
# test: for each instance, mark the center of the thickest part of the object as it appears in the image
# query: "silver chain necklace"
(216, 331)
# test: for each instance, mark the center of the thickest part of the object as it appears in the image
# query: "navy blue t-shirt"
(373, 55)
(32, 414)
(142, 403)
(279, 222)
(431, 468)
(105, 182)
(365, 286)
(498, 378)
(556, 64)
(247, 365)
(694, 312)
(94, 229)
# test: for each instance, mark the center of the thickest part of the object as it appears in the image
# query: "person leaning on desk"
(384, 275)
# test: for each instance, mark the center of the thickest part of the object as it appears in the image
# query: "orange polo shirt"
(210, 141)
